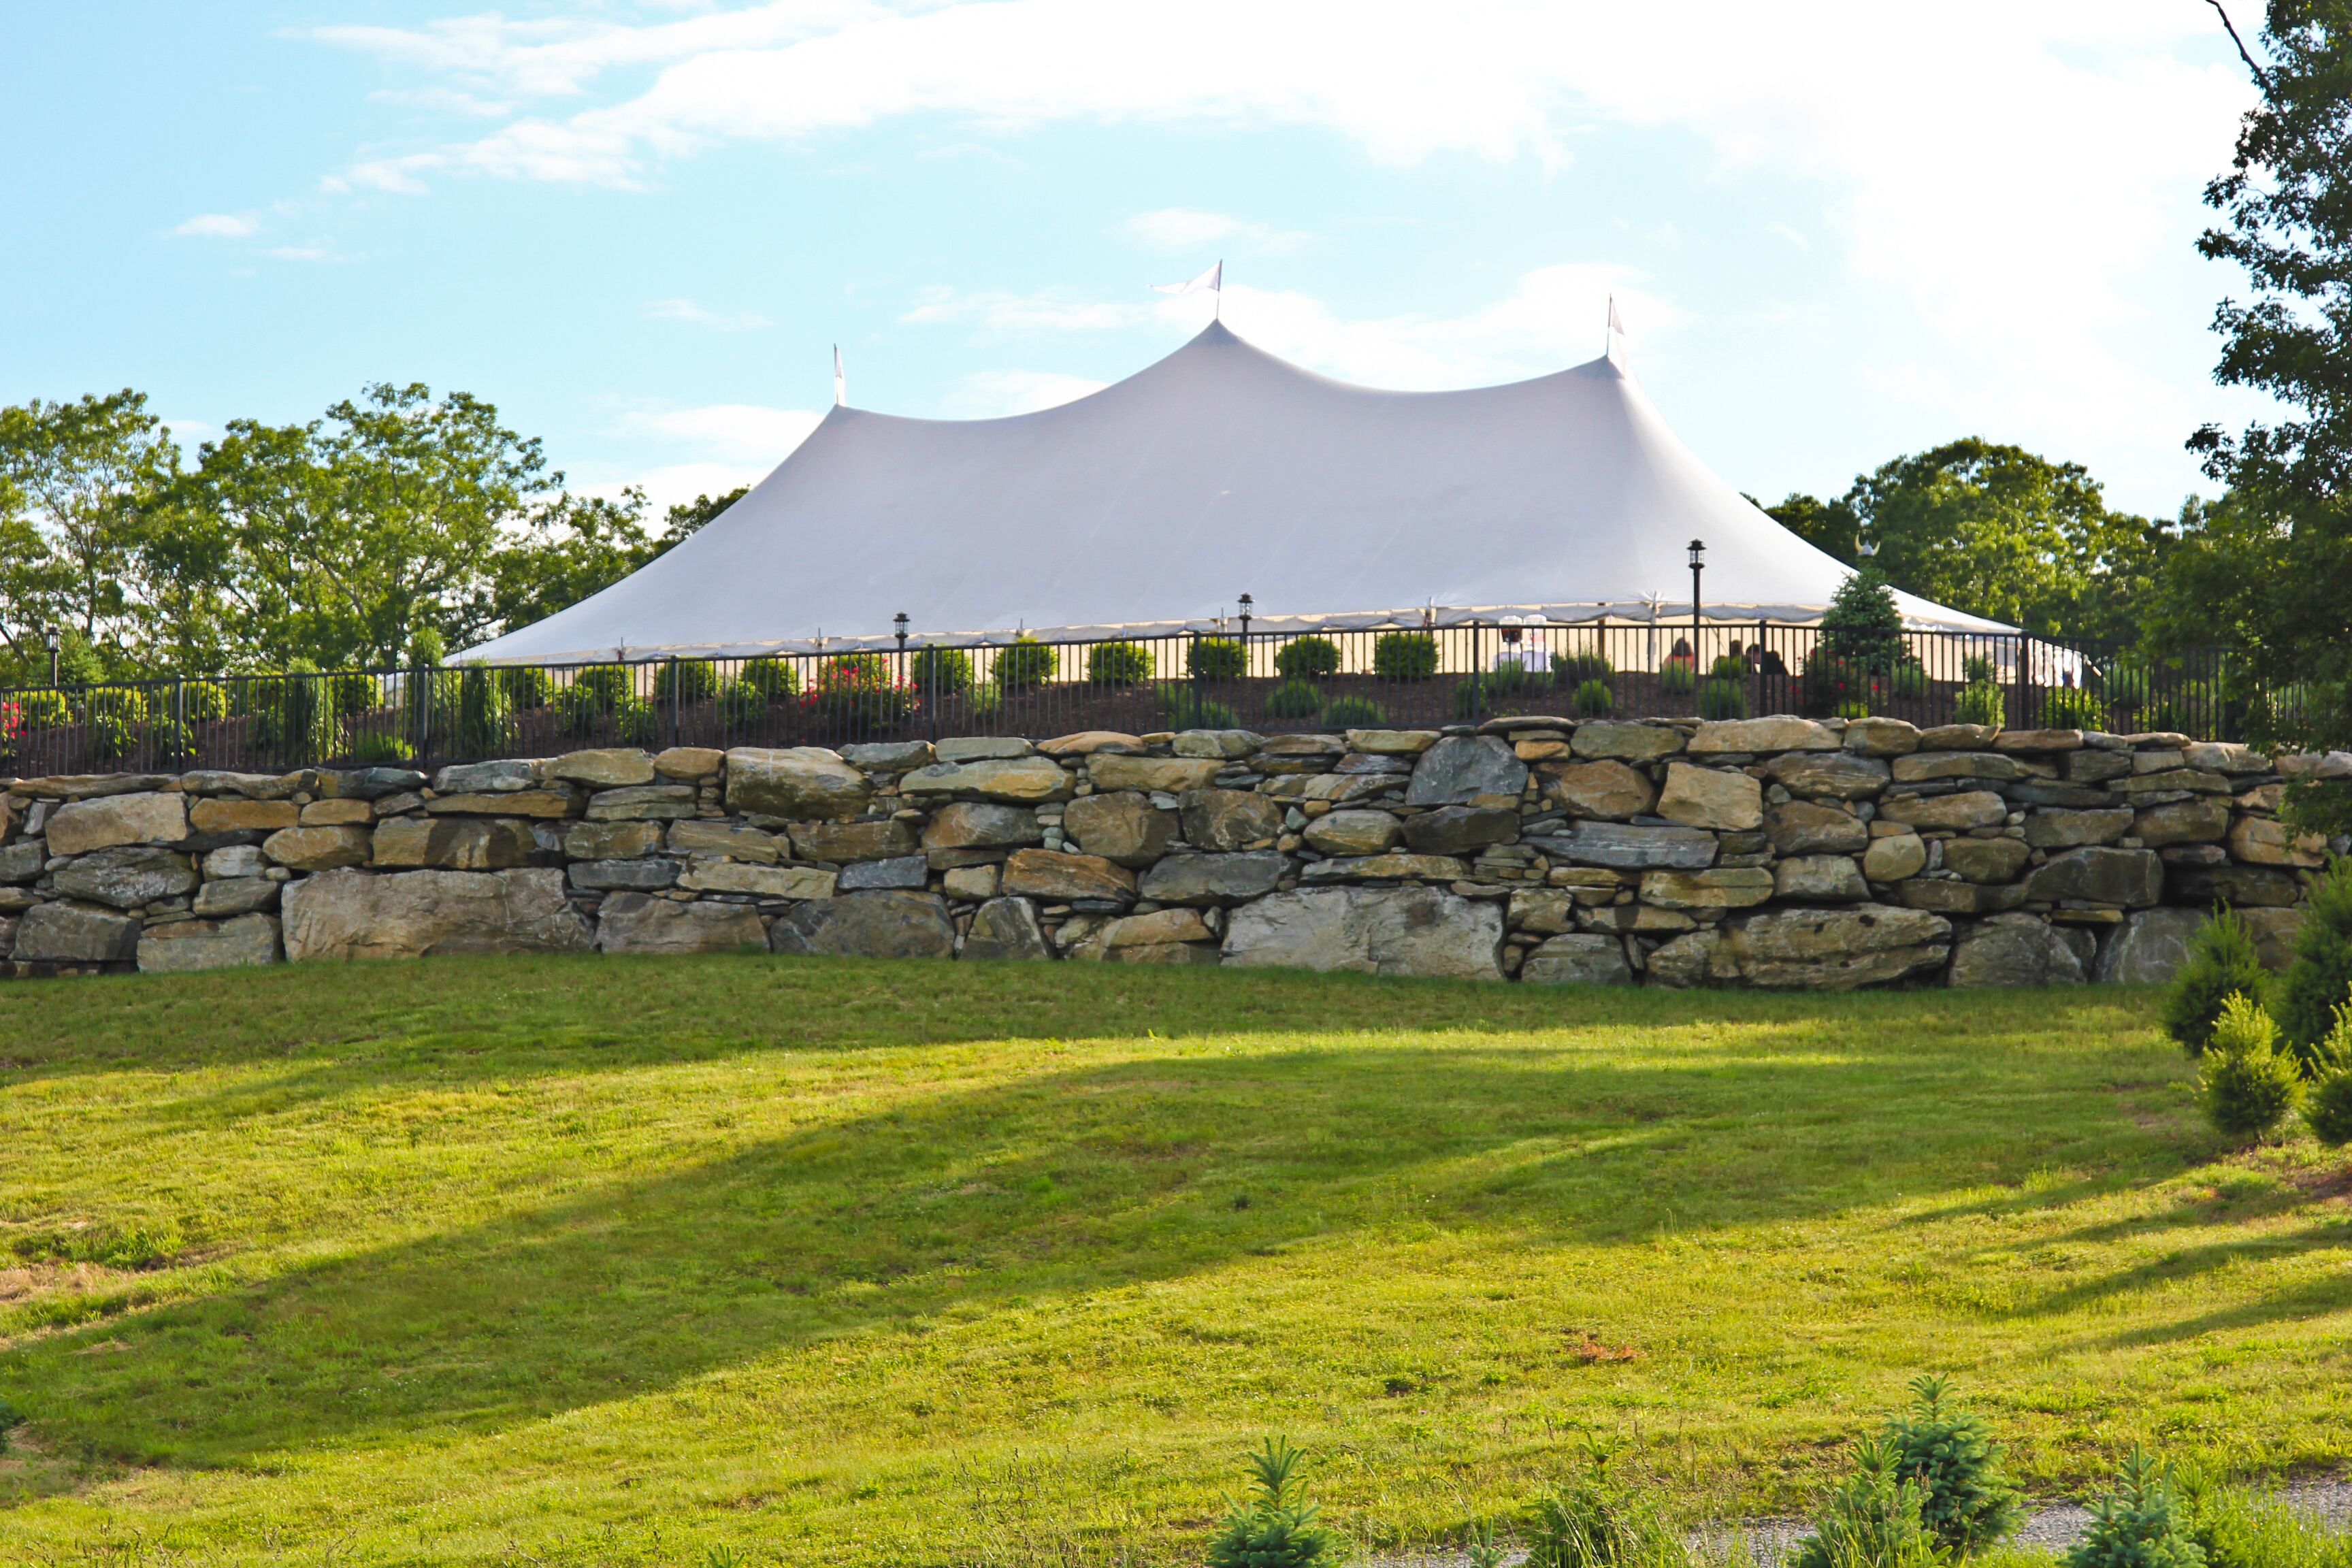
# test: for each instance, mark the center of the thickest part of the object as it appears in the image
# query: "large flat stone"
(1019, 780)
(1460, 769)
(1629, 742)
(183, 947)
(608, 767)
(1726, 887)
(237, 815)
(318, 848)
(1225, 820)
(983, 825)
(1832, 950)
(1881, 737)
(1836, 776)
(2059, 827)
(801, 784)
(1802, 827)
(899, 871)
(127, 876)
(1005, 930)
(1970, 808)
(1124, 827)
(503, 776)
(346, 914)
(2203, 821)
(1607, 788)
(730, 840)
(2131, 878)
(1461, 829)
(230, 896)
(641, 876)
(2265, 886)
(1925, 767)
(79, 827)
(58, 932)
(2274, 931)
(1395, 866)
(1392, 743)
(1203, 880)
(1778, 732)
(1057, 878)
(1626, 847)
(1169, 775)
(1820, 879)
(455, 843)
(842, 843)
(2013, 950)
(720, 876)
(2148, 948)
(2259, 841)
(867, 925)
(1947, 896)
(1587, 960)
(639, 922)
(1372, 930)
(1987, 860)
(1718, 798)
(600, 841)
(543, 803)
(637, 802)
(1352, 832)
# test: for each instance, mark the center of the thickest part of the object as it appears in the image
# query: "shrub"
(740, 707)
(1872, 1518)
(202, 701)
(1976, 667)
(685, 681)
(943, 671)
(1295, 699)
(2246, 1085)
(1405, 655)
(350, 694)
(1980, 702)
(1863, 625)
(115, 719)
(1727, 667)
(483, 717)
(1828, 682)
(1276, 1528)
(1119, 664)
(1023, 663)
(1678, 676)
(169, 742)
(1722, 698)
(2136, 1525)
(1354, 714)
(528, 687)
(1307, 659)
(2222, 964)
(1180, 708)
(1216, 659)
(773, 679)
(2073, 707)
(42, 710)
(2238, 1529)
(1970, 1502)
(1593, 700)
(1907, 681)
(374, 748)
(606, 686)
(1850, 711)
(2319, 980)
(288, 721)
(1507, 686)
(635, 722)
(2327, 1106)
(854, 690)
(986, 702)
(1576, 668)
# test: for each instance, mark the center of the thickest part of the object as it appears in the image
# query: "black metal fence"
(1325, 679)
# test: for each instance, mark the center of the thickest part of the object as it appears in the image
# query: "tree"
(687, 517)
(572, 546)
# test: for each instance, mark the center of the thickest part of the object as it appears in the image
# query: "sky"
(1836, 232)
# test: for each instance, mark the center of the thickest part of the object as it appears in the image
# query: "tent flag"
(1213, 279)
(840, 381)
(1614, 351)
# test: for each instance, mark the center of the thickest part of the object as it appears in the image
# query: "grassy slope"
(594, 1261)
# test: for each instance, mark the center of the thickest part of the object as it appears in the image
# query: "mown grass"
(560, 1261)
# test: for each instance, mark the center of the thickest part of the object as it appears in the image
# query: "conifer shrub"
(2245, 1084)
(1296, 698)
(2071, 707)
(1970, 1502)
(1594, 698)
(2222, 964)
(1678, 676)
(1405, 655)
(1864, 626)
(2140, 1524)
(1182, 709)
(529, 688)
(1354, 714)
(1119, 664)
(1216, 659)
(1723, 698)
(685, 681)
(482, 719)
(775, 679)
(1275, 1527)
(1024, 663)
(2328, 1108)
(2319, 980)
(1980, 702)
(1576, 668)
(1872, 1518)
(1307, 659)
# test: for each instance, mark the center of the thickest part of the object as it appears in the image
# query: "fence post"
(931, 689)
(676, 695)
(1193, 665)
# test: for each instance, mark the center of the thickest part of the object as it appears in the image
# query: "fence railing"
(1329, 679)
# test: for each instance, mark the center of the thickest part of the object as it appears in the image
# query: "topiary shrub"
(1276, 1528)
(1678, 676)
(374, 748)
(2319, 980)
(1119, 664)
(2222, 963)
(2071, 707)
(855, 693)
(1405, 655)
(350, 694)
(1980, 702)
(1354, 714)
(2246, 1085)
(1296, 698)
(1216, 659)
(1723, 698)
(1576, 668)
(1872, 1518)
(1907, 681)
(529, 688)
(773, 679)
(2139, 1525)
(1182, 709)
(1593, 700)
(685, 681)
(1307, 659)
(940, 671)
(1024, 663)
(606, 686)
(1970, 1502)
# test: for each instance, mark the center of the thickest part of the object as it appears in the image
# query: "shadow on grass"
(1070, 1182)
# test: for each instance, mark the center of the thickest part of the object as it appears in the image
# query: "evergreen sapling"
(2246, 1085)
(2319, 981)
(1969, 1503)
(2140, 1525)
(1277, 1528)
(2222, 963)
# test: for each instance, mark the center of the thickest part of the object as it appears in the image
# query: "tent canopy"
(1153, 504)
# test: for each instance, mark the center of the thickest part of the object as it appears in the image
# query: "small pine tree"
(2320, 979)
(1970, 1502)
(1277, 1528)
(2247, 1085)
(1872, 1519)
(2140, 1525)
(2222, 963)
(1862, 624)
(2327, 1106)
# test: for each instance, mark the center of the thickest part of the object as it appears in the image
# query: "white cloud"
(1180, 229)
(689, 311)
(991, 393)
(734, 433)
(219, 226)
(999, 311)
(669, 484)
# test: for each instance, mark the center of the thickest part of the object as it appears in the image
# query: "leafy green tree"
(571, 547)
(687, 517)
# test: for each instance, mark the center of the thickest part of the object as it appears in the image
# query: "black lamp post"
(899, 621)
(1247, 604)
(50, 639)
(1697, 565)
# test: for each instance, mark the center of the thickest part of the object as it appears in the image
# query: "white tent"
(1150, 506)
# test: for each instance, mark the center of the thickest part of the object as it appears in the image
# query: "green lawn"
(602, 1261)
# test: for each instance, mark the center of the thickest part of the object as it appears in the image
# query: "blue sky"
(1836, 232)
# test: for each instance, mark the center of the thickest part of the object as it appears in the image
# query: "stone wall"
(1767, 852)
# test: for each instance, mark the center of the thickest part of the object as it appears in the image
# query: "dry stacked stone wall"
(1769, 852)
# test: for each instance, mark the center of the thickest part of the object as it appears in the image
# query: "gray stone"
(643, 876)
(487, 778)
(889, 756)
(1881, 737)
(1392, 743)
(730, 840)
(905, 871)
(1221, 744)
(1626, 741)
(183, 947)
(2259, 841)
(79, 827)
(373, 784)
(1840, 776)
(560, 801)
(2274, 931)
(1895, 856)
(1607, 788)
(7, 935)
(983, 748)
(1372, 763)
(1461, 768)
(842, 843)
(1460, 829)
(1926, 766)
(1124, 827)
(611, 767)
(1375, 931)
(254, 786)
(92, 786)
(1588, 960)
(347, 914)
(1396, 864)
(637, 922)
(1201, 880)
(2233, 884)
(2090, 767)
(1986, 859)
(455, 843)
(640, 803)
(800, 784)
(1005, 928)
(972, 884)
(1353, 833)
(1832, 950)
(2148, 948)
(2060, 828)
(2205, 821)
(2039, 741)
(1624, 848)
(236, 896)
(60, 932)
(1779, 732)
(602, 840)
(1958, 737)
(2014, 950)
(1820, 879)
(980, 824)
(2131, 878)
(1165, 775)
(1224, 820)
(1545, 911)
(2224, 757)
(1971, 808)
(23, 860)
(127, 876)
(867, 925)
(1687, 961)
(1020, 780)
(689, 763)
(236, 860)
(1802, 827)
(721, 876)
(1718, 798)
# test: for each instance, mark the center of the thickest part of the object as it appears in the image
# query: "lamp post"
(899, 621)
(1247, 604)
(50, 640)
(1697, 565)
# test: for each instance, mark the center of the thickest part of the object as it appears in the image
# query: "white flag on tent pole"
(1213, 279)
(1614, 351)
(840, 381)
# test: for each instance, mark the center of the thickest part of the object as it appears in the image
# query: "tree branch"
(2260, 77)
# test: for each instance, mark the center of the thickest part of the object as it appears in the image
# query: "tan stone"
(606, 767)
(634, 922)
(1986, 860)
(347, 914)
(1830, 950)
(147, 817)
(543, 803)
(1711, 798)
(1820, 878)
(2065, 829)
(732, 840)
(644, 803)
(1087, 743)
(1396, 864)
(1922, 766)
(842, 843)
(691, 763)
(1057, 878)
(1337, 789)
(1019, 780)
(1728, 887)
(2039, 741)
(1607, 788)
(1161, 926)
(1391, 742)
(185, 947)
(1803, 827)
(1958, 737)
(1124, 827)
(318, 849)
(1971, 808)
(2183, 822)
(1354, 833)
(1164, 955)
(1780, 732)
(1881, 737)
(975, 883)
(456, 844)
(602, 841)
(1172, 775)
(801, 784)
(1539, 750)
(331, 813)
(715, 876)
(1229, 819)
(1893, 859)
(235, 816)
(2262, 842)
(1625, 741)
(1545, 911)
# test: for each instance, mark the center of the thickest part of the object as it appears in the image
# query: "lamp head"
(1697, 554)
